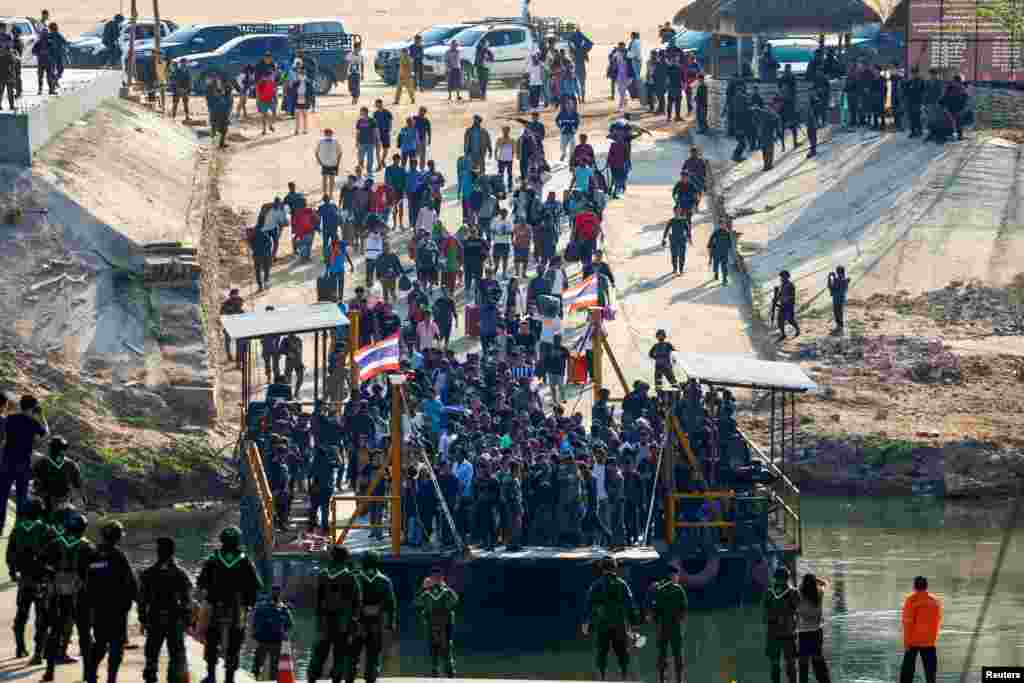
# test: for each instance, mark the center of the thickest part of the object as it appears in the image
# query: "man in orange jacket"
(922, 617)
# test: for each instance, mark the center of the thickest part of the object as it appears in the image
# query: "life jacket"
(67, 580)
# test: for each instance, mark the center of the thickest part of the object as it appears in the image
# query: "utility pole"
(158, 61)
(131, 43)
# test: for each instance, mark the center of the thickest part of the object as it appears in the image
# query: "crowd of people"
(50, 52)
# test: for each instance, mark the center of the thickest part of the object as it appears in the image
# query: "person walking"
(219, 103)
(922, 620)
(271, 623)
(406, 79)
(261, 242)
(356, 70)
(20, 433)
(612, 613)
(384, 120)
(476, 144)
(784, 302)
(165, 608)
(302, 94)
(328, 156)
(838, 285)
(30, 536)
(424, 136)
(181, 88)
(581, 47)
(781, 603)
(453, 65)
(720, 248)
(482, 64)
(810, 629)
(679, 235)
(266, 100)
(436, 604)
(416, 55)
(67, 559)
(379, 612)
(367, 143)
(568, 122)
(668, 605)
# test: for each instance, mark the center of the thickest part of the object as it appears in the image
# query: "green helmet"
(113, 532)
(76, 524)
(231, 537)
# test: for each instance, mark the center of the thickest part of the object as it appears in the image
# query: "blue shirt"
(337, 264)
(464, 473)
(583, 176)
(329, 218)
(383, 120)
(407, 140)
(433, 409)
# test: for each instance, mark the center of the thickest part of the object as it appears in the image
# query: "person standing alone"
(328, 155)
(780, 609)
(922, 619)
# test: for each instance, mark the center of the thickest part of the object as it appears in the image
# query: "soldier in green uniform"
(668, 609)
(230, 584)
(67, 558)
(612, 613)
(780, 606)
(380, 611)
(56, 476)
(339, 599)
(436, 605)
(25, 546)
(165, 608)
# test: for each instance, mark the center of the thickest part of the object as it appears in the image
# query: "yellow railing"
(263, 495)
(784, 494)
(360, 501)
(671, 523)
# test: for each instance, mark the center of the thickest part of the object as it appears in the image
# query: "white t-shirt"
(328, 152)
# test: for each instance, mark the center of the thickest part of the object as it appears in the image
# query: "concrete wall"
(23, 133)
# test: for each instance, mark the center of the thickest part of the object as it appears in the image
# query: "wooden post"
(158, 60)
(396, 463)
(597, 344)
(353, 346)
(131, 44)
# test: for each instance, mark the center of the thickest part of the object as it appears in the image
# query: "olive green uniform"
(436, 606)
(611, 611)
(24, 563)
(339, 599)
(780, 607)
(380, 609)
(668, 607)
(231, 584)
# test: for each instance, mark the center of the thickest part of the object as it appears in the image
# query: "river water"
(868, 549)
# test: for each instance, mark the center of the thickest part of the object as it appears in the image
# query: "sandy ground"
(705, 316)
(386, 20)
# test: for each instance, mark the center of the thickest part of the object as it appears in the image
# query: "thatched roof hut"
(747, 17)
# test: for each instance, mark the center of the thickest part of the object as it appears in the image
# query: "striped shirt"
(522, 371)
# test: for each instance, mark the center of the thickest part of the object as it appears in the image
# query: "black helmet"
(113, 532)
(781, 575)
(76, 524)
(231, 537)
(58, 444)
(339, 553)
(32, 509)
(371, 560)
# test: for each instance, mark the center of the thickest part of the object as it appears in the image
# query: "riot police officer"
(379, 611)
(230, 583)
(339, 599)
(56, 476)
(668, 605)
(110, 590)
(165, 608)
(25, 546)
(67, 559)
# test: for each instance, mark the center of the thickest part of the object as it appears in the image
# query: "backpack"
(67, 580)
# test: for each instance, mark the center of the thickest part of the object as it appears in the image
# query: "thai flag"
(582, 296)
(376, 358)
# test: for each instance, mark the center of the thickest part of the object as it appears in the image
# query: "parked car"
(714, 53)
(797, 52)
(183, 42)
(88, 50)
(878, 47)
(385, 63)
(28, 30)
(511, 42)
(329, 55)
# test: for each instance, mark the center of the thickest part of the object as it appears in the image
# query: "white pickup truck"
(510, 43)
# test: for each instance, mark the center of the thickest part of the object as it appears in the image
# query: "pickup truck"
(512, 42)
(385, 62)
(328, 52)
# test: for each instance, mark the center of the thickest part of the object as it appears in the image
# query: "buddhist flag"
(376, 358)
(581, 296)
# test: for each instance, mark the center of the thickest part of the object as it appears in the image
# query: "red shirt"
(265, 90)
(303, 222)
(588, 225)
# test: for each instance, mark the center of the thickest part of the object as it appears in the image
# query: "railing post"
(670, 518)
(597, 349)
(396, 463)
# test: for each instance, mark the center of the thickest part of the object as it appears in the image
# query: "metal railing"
(671, 523)
(360, 501)
(784, 495)
(258, 491)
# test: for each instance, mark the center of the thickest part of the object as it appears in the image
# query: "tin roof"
(777, 16)
(284, 320)
(743, 371)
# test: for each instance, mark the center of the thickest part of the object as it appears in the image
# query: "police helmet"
(371, 560)
(58, 444)
(231, 537)
(113, 532)
(339, 553)
(32, 509)
(76, 524)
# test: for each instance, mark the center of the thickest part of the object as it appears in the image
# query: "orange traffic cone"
(285, 673)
